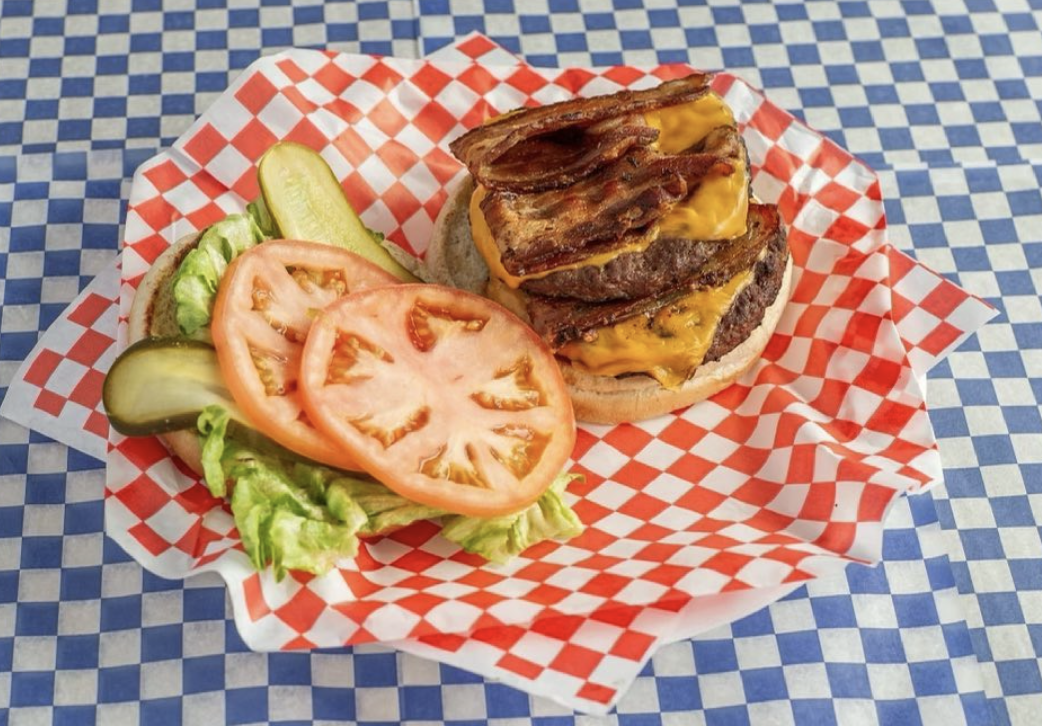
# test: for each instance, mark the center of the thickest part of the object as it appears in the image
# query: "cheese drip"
(668, 346)
(681, 127)
(720, 204)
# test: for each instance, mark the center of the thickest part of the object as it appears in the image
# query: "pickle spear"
(306, 202)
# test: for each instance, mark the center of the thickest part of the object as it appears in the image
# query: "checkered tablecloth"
(943, 99)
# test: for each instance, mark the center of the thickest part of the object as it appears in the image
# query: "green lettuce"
(499, 539)
(279, 506)
(297, 515)
(258, 211)
(291, 514)
(213, 425)
(195, 284)
(384, 509)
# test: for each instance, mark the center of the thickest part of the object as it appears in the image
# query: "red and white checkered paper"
(704, 514)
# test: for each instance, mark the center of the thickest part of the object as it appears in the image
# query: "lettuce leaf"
(195, 284)
(304, 516)
(384, 509)
(279, 506)
(294, 515)
(213, 425)
(499, 539)
(258, 211)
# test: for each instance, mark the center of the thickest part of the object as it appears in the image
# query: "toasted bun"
(453, 259)
(152, 315)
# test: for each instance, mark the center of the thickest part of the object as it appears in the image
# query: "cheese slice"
(684, 125)
(717, 210)
(668, 346)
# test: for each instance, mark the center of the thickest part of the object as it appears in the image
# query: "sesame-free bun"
(453, 259)
(153, 315)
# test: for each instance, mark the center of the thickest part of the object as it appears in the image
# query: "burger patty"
(665, 264)
(561, 320)
(748, 308)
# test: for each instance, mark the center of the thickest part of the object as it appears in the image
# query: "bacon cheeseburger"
(621, 228)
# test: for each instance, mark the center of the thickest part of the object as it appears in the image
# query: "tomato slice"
(266, 303)
(445, 397)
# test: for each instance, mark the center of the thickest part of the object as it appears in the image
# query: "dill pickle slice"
(163, 384)
(306, 202)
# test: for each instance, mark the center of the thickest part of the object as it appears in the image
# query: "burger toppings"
(195, 285)
(549, 147)
(161, 384)
(454, 405)
(669, 270)
(295, 515)
(578, 152)
(541, 231)
(265, 306)
(634, 268)
(691, 321)
(303, 200)
(701, 326)
(667, 263)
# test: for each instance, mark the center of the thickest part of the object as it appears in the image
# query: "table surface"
(944, 99)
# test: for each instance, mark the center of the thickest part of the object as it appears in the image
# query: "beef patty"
(560, 320)
(747, 310)
(664, 265)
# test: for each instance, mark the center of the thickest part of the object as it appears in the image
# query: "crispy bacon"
(560, 321)
(541, 231)
(575, 152)
(549, 147)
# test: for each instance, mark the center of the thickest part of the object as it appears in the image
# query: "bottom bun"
(453, 260)
(153, 315)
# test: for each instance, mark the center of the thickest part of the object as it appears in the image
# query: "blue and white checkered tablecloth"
(943, 98)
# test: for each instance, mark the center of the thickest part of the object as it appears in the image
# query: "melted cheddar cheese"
(720, 204)
(682, 126)
(668, 346)
(717, 210)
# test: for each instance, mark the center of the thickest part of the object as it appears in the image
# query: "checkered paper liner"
(570, 621)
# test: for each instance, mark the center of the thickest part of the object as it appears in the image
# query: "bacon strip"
(560, 321)
(541, 231)
(549, 147)
(575, 152)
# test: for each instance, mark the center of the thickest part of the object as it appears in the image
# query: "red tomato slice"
(265, 306)
(444, 396)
